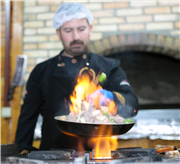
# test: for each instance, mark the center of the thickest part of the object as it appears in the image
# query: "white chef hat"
(69, 11)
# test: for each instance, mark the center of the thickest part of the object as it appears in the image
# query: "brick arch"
(155, 43)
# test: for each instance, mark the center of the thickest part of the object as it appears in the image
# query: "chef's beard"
(75, 51)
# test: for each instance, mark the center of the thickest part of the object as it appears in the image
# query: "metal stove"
(67, 156)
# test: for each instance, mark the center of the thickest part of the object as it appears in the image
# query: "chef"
(52, 82)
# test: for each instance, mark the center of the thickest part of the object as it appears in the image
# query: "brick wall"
(117, 23)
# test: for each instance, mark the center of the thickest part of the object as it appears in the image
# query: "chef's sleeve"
(29, 113)
(123, 93)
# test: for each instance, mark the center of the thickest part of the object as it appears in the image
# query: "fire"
(81, 92)
(85, 87)
(103, 145)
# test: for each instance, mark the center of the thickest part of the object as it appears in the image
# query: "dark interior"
(155, 78)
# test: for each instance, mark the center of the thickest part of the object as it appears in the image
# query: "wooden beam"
(5, 67)
(16, 49)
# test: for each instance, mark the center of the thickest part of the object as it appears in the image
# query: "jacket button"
(73, 61)
(84, 56)
(61, 65)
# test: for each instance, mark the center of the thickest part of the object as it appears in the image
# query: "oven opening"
(154, 78)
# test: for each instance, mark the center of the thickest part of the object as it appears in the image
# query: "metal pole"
(7, 50)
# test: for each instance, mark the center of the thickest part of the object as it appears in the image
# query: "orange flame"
(112, 108)
(81, 92)
(69, 134)
(103, 145)
(83, 88)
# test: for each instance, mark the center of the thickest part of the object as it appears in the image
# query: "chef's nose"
(76, 35)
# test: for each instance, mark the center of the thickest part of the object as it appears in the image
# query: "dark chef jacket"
(51, 83)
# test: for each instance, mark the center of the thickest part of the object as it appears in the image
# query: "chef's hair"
(69, 11)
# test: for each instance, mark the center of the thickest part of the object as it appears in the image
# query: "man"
(52, 82)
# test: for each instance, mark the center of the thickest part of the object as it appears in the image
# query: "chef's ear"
(90, 29)
(58, 33)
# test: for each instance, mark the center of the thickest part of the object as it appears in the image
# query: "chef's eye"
(82, 29)
(67, 30)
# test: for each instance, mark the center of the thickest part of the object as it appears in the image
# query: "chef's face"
(74, 35)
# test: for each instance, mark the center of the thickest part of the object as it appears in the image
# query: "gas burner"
(73, 154)
(69, 156)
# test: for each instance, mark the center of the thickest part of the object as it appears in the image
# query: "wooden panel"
(16, 49)
(2, 69)
(4, 127)
(36, 143)
(8, 132)
(2, 88)
(4, 121)
(5, 131)
(144, 143)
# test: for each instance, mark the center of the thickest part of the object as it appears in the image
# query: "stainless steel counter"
(155, 124)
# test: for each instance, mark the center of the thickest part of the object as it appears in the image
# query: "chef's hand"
(103, 95)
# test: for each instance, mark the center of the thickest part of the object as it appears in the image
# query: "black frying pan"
(88, 129)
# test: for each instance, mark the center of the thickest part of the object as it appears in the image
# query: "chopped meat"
(119, 119)
(96, 121)
(95, 113)
(87, 116)
(112, 117)
(90, 114)
(105, 121)
(72, 117)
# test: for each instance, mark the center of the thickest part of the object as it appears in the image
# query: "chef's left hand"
(103, 95)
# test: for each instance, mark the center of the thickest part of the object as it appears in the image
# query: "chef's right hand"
(103, 94)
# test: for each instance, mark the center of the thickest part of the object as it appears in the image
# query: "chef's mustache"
(76, 42)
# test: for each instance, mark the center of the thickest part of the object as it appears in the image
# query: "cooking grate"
(121, 153)
(69, 156)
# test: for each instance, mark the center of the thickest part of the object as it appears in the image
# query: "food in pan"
(89, 114)
(85, 104)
